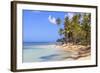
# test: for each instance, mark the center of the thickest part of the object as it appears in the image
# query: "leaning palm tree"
(67, 29)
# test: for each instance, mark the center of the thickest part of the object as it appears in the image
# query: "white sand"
(85, 58)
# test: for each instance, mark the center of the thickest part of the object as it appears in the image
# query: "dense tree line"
(77, 30)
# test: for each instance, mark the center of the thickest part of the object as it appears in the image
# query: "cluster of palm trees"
(77, 30)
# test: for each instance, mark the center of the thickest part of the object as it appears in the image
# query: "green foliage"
(77, 29)
(58, 21)
(61, 31)
(86, 28)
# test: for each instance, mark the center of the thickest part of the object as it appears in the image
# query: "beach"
(79, 52)
(53, 52)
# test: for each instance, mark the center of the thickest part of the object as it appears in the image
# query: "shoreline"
(79, 52)
(65, 52)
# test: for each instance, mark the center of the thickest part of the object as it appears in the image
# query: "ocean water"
(41, 52)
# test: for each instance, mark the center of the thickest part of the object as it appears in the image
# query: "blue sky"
(40, 26)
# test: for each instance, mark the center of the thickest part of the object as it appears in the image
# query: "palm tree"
(76, 30)
(61, 31)
(86, 27)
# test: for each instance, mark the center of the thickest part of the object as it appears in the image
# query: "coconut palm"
(86, 27)
(77, 29)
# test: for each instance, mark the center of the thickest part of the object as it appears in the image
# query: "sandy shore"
(85, 58)
(79, 52)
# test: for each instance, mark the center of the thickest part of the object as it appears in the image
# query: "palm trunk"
(65, 34)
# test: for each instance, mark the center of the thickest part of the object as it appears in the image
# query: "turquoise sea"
(43, 51)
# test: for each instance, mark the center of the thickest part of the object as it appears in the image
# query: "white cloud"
(70, 15)
(52, 19)
(65, 15)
